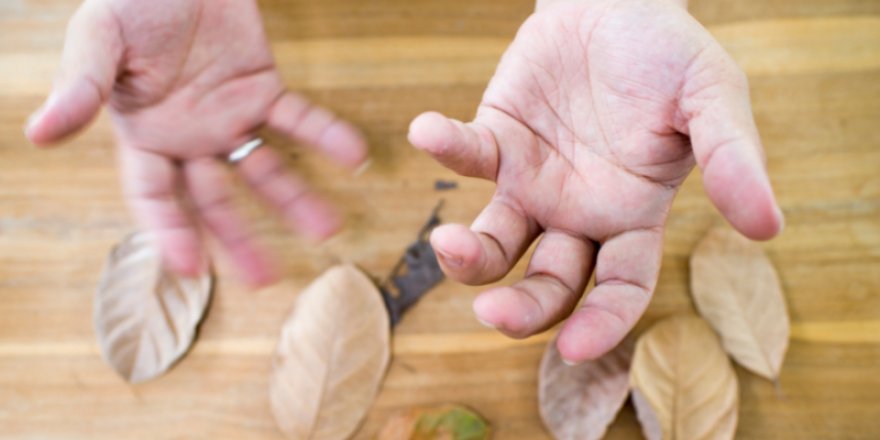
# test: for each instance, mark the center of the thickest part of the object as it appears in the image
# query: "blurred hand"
(187, 82)
(596, 114)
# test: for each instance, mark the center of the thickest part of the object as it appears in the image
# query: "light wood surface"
(814, 67)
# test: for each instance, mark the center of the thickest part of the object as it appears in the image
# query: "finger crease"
(555, 279)
(217, 203)
(649, 229)
(275, 172)
(304, 112)
(323, 133)
(501, 249)
(609, 312)
(622, 282)
(292, 200)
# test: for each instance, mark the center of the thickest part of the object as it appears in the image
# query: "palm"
(585, 129)
(593, 114)
(201, 81)
(187, 82)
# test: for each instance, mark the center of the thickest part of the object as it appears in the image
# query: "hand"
(596, 114)
(187, 82)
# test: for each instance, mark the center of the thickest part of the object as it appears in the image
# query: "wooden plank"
(814, 68)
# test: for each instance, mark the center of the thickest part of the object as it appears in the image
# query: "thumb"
(92, 52)
(725, 140)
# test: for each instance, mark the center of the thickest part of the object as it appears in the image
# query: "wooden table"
(815, 77)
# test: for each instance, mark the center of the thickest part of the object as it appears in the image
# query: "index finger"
(150, 182)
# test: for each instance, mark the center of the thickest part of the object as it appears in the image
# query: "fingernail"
(362, 168)
(33, 118)
(450, 260)
(570, 363)
(486, 324)
(38, 113)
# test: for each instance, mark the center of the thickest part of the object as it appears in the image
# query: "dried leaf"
(331, 357)
(416, 273)
(579, 402)
(445, 185)
(448, 422)
(683, 384)
(145, 317)
(738, 291)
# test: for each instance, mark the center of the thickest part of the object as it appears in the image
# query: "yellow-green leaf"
(447, 422)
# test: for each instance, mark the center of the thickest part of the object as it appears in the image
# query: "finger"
(556, 278)
(728, 149)
(150, 183)
(300, 209)
(210, 192)
(297, 118)
(92, 52)
(627, 267)
(468, 149)
(485, 252)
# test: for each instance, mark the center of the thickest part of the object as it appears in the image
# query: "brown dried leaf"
(331, 357)
(579, 402)
(146, 318)
(683, 384)
(738, 291)
(445, 422)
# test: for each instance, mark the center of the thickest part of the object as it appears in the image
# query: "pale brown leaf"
(683, 384)
(145, 317)
(331, 357)
(738, 291)
(579, 402)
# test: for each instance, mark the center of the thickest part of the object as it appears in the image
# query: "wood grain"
(814, 68)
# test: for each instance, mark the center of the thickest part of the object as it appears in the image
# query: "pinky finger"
(627, 267)
(317, 127)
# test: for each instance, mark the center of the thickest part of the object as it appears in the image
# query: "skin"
(595, 116)
(187, 82)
